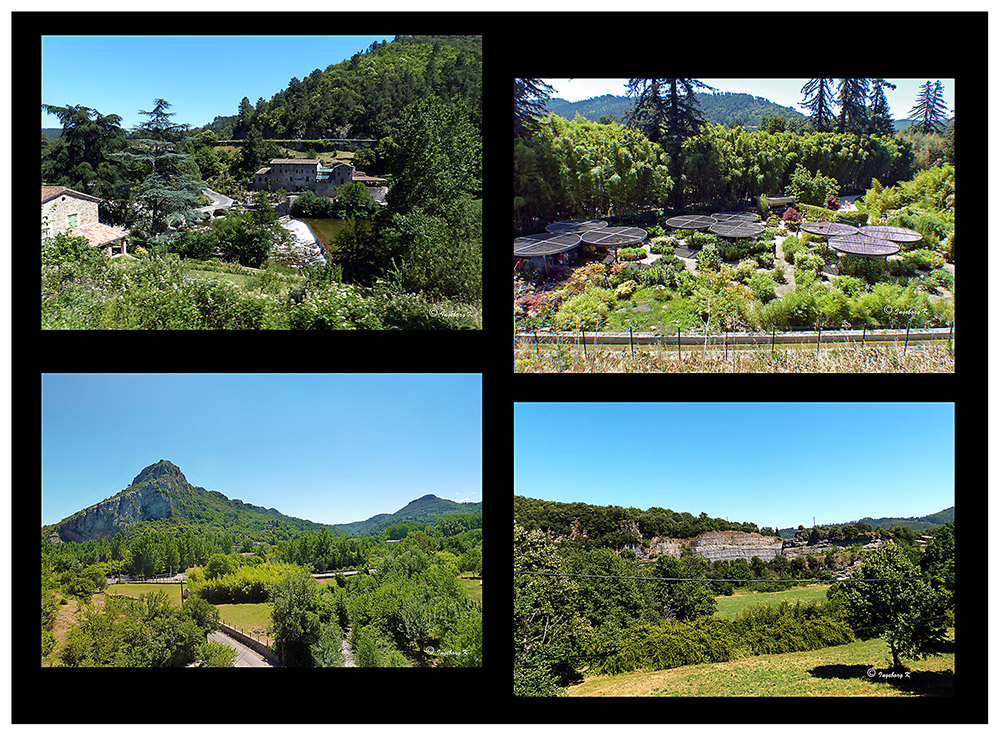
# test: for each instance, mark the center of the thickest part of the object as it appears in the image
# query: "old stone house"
(65, 209)
(299, 174)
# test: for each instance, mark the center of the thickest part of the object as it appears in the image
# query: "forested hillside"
(726, 108)
(615, 526)
(363, 96)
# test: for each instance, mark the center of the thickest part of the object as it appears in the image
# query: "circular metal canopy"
(737, 228)
(575, 226)
(615, 236)
(544, 244)
(863, 245)
(829, 228)
(691, 222)
(895, 234)
(729, 216)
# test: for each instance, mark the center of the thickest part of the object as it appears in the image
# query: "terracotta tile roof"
(99, 234)
(53, 192)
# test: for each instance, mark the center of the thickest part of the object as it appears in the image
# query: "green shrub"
(631, 254)
(811, 189)
(709, 259)
(588, 310)
(762, 286)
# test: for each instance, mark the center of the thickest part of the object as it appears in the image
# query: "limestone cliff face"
(810, 542)
(743, 546)
(735, 546)
(149, 500)
(719, 546)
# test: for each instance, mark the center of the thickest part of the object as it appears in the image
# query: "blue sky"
(332, 448)
(782, 91)
(201, 76)
(766, 463)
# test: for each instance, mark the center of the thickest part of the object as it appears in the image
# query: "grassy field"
(855, 669)
(137, 589)
(729, 606)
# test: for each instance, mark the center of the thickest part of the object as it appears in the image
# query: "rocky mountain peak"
(163, 468)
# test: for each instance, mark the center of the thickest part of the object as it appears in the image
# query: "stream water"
(304, 251)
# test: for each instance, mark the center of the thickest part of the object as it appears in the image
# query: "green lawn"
(729, 606)
(854, 669)
(135, 590)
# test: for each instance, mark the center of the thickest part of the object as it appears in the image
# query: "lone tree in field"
(910, 615)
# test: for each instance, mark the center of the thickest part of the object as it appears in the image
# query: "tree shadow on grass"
(911, 681)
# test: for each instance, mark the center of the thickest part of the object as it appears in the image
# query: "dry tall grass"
(878, 358)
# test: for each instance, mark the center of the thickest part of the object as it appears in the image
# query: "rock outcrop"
(744, 546)
(811, 542)
(735, 546)
(149, 500)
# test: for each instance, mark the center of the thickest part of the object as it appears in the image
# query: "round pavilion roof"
(829, 228)
(691, 222)
(863, 245)
(615, 236)
(544, 244)
(575, 226)
(737, 228)
(895, 234)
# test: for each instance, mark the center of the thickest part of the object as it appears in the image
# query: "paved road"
(245, 657)
(218, 201)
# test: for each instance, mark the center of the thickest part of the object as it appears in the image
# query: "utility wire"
(727, 580)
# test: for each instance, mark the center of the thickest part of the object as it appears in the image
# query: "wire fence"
(731, 580)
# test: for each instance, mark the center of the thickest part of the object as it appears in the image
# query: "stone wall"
(59, 210)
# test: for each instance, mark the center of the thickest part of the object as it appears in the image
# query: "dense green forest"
(361, 97)
(616, 526)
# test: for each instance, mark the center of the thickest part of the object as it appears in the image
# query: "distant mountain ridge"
(161, 498)
(916, 523)
(427, 508)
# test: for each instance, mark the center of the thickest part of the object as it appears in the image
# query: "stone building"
(298, 174)
(67, 209)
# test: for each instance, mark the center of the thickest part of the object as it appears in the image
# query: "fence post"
(583, 339)
(864, 330)
(907, 340)
(951, 326)
(630, 340)
(818, 330)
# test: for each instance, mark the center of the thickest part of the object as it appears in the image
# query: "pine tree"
(171, 183)
(819, 102)
(530, 96)
(931, 112)
(880, 121)
(853, 98)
